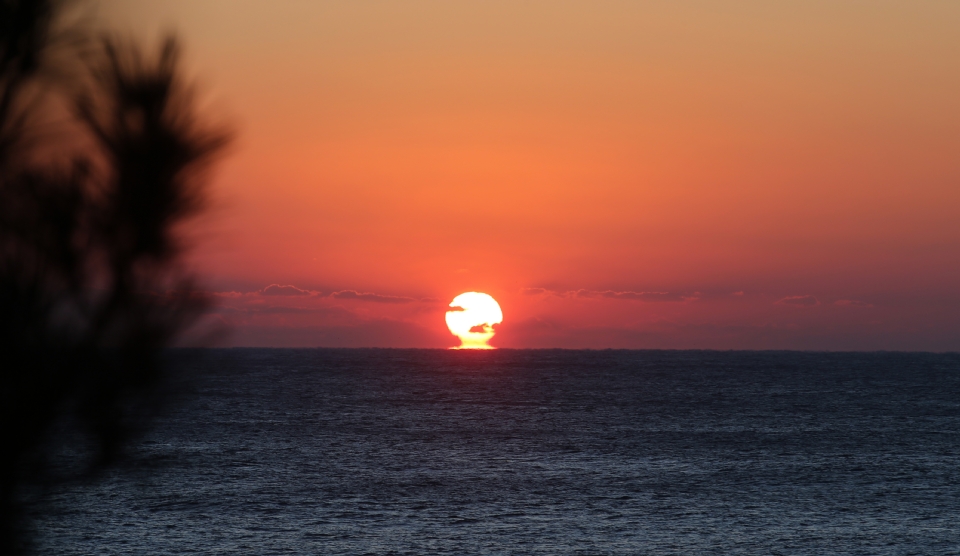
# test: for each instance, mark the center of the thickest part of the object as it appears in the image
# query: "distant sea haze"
(381, 451)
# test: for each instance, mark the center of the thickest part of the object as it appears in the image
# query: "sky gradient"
(725, 175)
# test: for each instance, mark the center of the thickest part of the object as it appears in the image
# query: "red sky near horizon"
(726, 175)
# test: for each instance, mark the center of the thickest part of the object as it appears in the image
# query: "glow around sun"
(471, 317)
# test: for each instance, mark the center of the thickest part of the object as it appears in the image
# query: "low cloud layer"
(287, 315)
(645, 296)
(263, 309)
(287, 290)
(374, 297)
(534, 291)
(799, 301)
(277, 289)
(560, 318)
(851, 303)
(819, 335)
(371, 333)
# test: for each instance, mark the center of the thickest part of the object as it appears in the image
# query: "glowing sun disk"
(472, 318)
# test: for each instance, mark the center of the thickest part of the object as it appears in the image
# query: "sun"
(472, 317)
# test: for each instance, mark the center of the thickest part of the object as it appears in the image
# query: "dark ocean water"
(538, 452)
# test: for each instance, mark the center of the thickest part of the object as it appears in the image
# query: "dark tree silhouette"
(91, 285)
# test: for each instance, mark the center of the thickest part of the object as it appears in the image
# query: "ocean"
(388, 451)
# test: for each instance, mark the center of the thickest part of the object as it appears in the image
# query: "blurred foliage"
(101, 157)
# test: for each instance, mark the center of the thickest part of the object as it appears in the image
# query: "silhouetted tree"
(91, 285)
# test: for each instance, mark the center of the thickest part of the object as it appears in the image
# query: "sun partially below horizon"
(472, 317)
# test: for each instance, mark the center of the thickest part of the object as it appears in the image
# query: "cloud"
(799, 301)
(277, 289)
(455, 308)
(374, 297)
(279, 310)
(820, 335)
(481, 328)
(230, 294)
(632, 295)
(533, 291)
(260, 309)
(646, 296)
(375, 333)
(851, 303)
(279, 292)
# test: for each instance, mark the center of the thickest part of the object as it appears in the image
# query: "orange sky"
(617, 174)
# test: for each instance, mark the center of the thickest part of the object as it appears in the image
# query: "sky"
(707, 175)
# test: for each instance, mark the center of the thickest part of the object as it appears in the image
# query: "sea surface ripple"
(536, 452)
